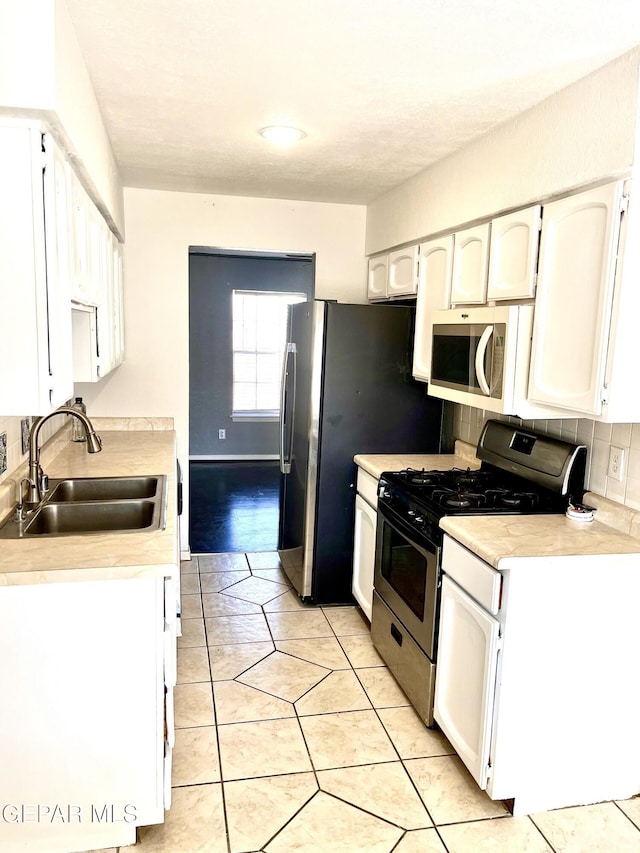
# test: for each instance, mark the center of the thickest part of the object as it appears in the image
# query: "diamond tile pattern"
(315, 744)
(258, 590)
(284, 676)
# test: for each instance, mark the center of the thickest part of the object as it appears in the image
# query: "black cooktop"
(521, 472)
(466, 491)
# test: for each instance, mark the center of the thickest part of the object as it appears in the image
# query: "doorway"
(233, 399)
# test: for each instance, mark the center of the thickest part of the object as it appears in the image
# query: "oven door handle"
(401, 527)
(481, 350)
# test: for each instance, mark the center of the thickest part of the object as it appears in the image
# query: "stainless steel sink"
(84, 489)
(86, 505)
(97, 517)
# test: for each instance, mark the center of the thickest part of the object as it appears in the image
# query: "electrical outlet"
(616, 463)
(222, 433)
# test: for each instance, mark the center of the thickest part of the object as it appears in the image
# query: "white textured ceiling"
(383, 88)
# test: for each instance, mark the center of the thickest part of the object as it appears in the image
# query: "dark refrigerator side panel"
(370, 404)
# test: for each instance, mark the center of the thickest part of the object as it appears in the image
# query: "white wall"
(78, 114)
(27, 54)
(580, 134)
(43, 75)
(154, 380)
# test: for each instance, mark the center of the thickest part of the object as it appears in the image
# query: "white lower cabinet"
(364, 541)
(466, 677)
(533, 660)
(84, 713)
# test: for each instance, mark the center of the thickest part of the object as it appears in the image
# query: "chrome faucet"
(37, 478)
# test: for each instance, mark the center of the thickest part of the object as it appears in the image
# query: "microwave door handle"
(483, 343)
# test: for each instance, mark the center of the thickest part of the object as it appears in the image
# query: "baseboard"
(235, 457)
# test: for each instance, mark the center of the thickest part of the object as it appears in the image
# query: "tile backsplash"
(598, 437)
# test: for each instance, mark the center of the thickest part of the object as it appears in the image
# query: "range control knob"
(419, 519)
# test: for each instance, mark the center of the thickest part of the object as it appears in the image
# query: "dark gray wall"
(212, 278)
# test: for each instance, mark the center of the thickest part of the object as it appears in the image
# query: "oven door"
(407, 577)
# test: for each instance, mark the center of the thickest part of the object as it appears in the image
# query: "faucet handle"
(20, 512)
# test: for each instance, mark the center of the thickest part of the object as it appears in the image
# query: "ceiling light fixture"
(282, 135)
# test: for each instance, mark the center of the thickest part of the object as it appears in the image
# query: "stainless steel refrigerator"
(347, 388)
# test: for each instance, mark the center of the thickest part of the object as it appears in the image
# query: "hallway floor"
(234, 506)
(293, 736)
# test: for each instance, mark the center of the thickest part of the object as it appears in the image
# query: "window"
(259, 338)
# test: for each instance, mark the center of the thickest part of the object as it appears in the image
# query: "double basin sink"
(95, 505)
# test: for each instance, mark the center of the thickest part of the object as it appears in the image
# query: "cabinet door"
(59, 273)
(35, 343)
(80, 241)
(403, 272)
(118, 302)
(513, 258)
(578, 252)
(364, 554)
(104, 282)
(377, 280)
(434, 288)
(468, 644)
(89, 714)
(470, 262)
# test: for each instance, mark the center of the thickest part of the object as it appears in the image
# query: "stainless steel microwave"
(480, 356)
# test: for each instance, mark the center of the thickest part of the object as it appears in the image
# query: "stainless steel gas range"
(521, 472)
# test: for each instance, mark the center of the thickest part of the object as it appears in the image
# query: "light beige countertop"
(376, 463)
(102, 556)
(498, 537)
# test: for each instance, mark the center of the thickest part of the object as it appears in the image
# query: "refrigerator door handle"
(285, 440)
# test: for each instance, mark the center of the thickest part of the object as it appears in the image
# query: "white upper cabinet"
(35, 341)
(403, 272)
(513, 258)
(118, 302)
(98, 332)
(434, 289)
(80, 244)
(470, 264)
(377, 277)
(574, 299)
(57, 233)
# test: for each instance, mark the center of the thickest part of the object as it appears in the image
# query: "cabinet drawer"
(406, 660)
(367, 486)
(476, 577)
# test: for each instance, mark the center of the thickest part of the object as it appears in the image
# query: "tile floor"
(293, 736)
